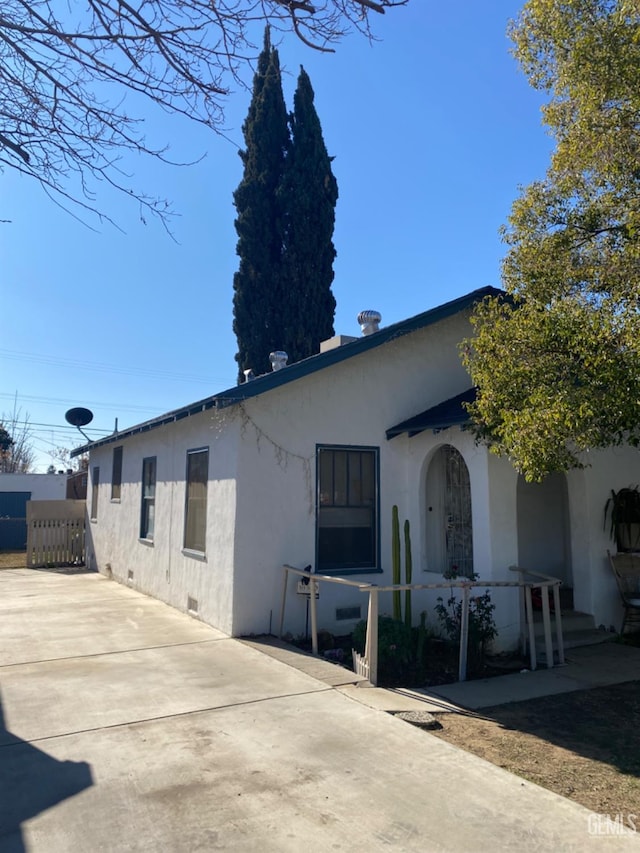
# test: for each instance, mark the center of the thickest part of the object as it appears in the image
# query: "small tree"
(558, 365)
(16, 452)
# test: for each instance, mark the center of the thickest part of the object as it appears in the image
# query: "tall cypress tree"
(257, 285)
(308, 194)
(286, 213)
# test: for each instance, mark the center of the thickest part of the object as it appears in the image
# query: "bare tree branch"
(69, 73)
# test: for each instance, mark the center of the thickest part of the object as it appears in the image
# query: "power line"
(97, 405)
(101, 367)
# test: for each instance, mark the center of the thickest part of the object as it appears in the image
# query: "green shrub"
(394, 643)
(482, 625)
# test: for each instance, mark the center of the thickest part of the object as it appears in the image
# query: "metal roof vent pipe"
(248, 375)
(369, 322)
(278, 359)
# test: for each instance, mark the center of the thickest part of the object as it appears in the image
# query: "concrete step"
(572, 622)
(576, 640)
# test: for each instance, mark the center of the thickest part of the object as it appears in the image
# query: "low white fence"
(55, 533)
(367, 664)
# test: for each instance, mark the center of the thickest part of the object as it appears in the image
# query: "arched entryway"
(543, 527)
(449, 533)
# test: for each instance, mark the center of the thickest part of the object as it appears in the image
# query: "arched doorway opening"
(543, 527)
(449, 531)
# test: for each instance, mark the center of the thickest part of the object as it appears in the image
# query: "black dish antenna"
(78, 418)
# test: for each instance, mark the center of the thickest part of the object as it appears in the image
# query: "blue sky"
(433, 128)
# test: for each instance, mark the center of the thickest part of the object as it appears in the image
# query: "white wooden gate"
(55, 533)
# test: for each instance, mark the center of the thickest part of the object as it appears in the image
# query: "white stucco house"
(201, 507)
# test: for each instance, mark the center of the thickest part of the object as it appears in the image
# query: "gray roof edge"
(300, 369)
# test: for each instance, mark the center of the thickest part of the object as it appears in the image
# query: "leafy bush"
(482, 626)
(394, 643)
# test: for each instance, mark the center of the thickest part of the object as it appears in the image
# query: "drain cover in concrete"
(419, 718)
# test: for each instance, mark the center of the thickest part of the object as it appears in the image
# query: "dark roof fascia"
(300, 369)
(450, 412)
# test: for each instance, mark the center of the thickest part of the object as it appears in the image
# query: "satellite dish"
(79, 417)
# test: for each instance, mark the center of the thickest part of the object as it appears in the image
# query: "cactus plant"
(408, 571)
(395, 561)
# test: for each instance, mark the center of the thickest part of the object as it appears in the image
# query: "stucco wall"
(595, 590)
(352, 403)
(261, 496)
(161, 568)
(43, 487)
(261, 510)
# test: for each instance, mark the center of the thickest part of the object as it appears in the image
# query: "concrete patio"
(129, 726)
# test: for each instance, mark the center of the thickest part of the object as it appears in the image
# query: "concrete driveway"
(129, 726)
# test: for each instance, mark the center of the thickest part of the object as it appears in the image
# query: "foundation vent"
(344, 614)
(192, 605)
(129, 576)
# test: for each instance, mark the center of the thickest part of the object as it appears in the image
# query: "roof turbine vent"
(278, 359)
(369, 321)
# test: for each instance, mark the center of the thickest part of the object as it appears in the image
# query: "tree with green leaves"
(557, 363)
(257, 286)
(308, 194)
(286, 214)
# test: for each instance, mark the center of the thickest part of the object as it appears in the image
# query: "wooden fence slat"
(55, 533)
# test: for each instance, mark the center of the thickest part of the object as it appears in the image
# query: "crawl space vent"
(345, 613)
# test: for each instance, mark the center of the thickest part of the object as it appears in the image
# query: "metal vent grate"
(345, 613)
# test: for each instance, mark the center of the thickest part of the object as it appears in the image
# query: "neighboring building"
(76, 485)
(15, 491)
(201, 507)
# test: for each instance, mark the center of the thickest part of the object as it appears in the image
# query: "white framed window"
(195, 523)
(116, 474)
(95, 483)
(148, 501)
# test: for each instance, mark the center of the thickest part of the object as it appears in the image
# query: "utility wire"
(76, 364)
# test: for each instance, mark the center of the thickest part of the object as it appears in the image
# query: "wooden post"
(546, 621)
(371, 645)
(532, 635)
(313, 586)
(523, 612)
(558, 613)
(284, 600)
(464, 634)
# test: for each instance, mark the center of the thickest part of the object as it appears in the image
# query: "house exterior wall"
(351, 404)
(161, 568)
(595, 590)
(43, 487)
(261, 496)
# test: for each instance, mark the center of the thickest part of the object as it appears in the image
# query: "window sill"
(115, 500)
(147, 542)
(195, 555)
(93, 520)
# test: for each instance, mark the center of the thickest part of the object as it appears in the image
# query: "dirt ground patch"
(583, 745)
(13, 559)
